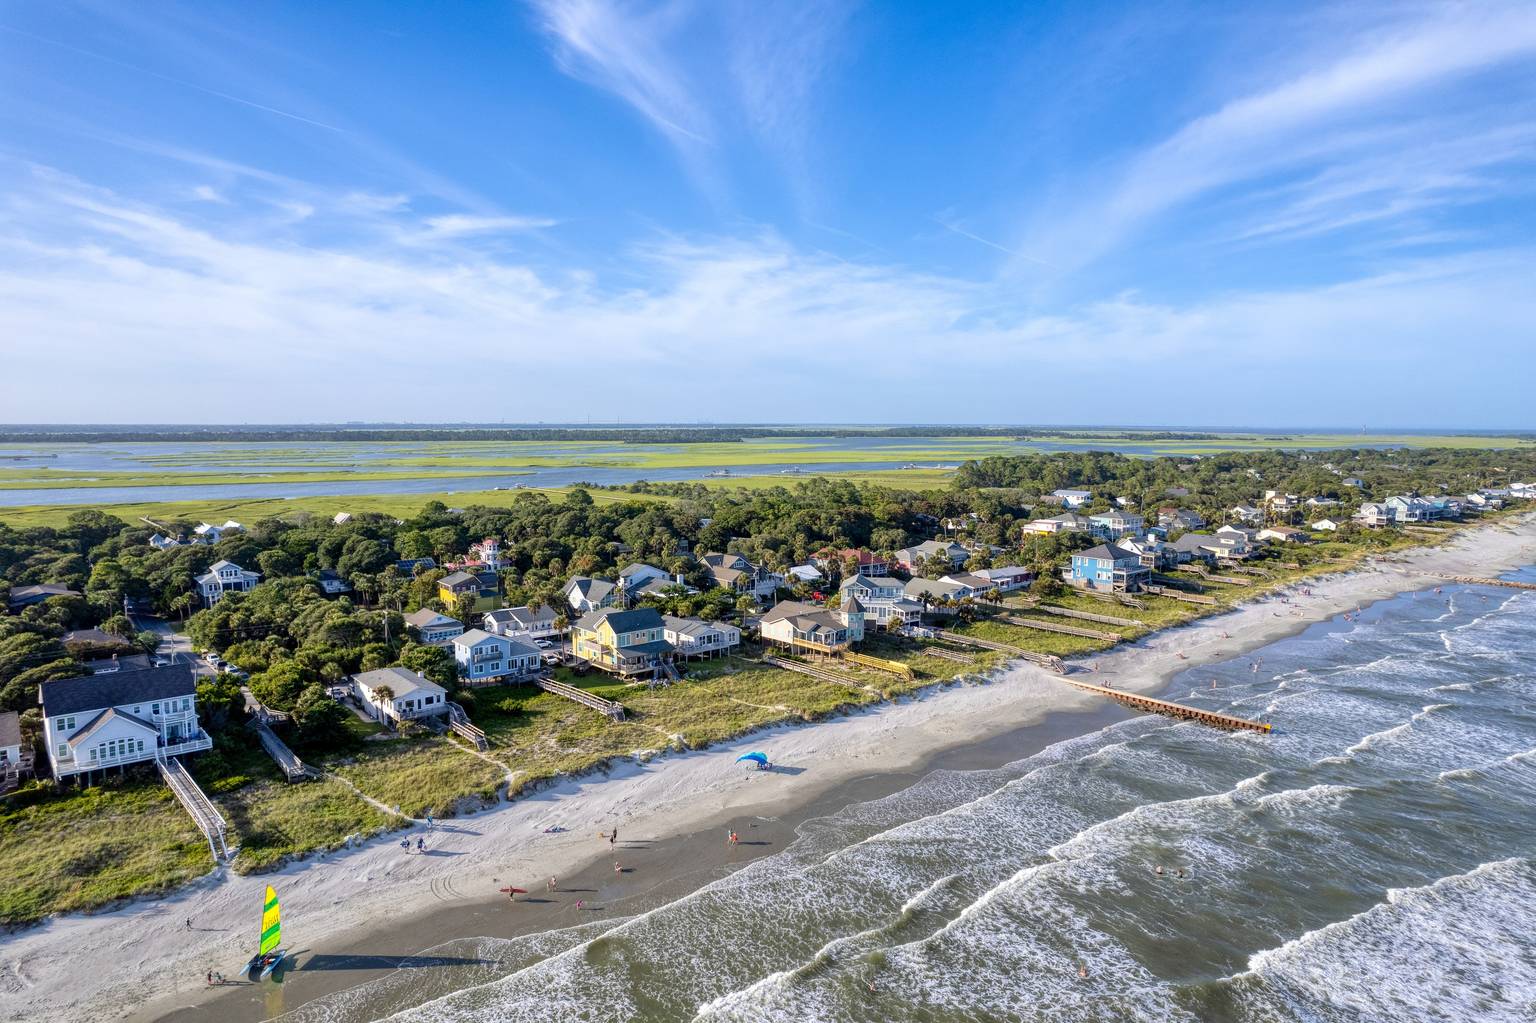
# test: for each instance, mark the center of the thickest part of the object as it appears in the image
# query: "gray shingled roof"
(10, 728)
(97, 692)
(622, 621)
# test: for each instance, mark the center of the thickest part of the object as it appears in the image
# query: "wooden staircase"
(201, 809)
(460, 725)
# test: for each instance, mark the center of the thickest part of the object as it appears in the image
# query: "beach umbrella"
(760, 759)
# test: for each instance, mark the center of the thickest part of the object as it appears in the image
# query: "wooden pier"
(1475, 581)
(1177, 710)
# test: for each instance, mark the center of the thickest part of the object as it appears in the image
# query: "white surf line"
(1260, 960)
(729, 1001)
(895, 828)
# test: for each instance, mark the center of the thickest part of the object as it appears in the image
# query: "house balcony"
(71, 765)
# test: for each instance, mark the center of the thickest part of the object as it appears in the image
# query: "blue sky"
(1260, 214)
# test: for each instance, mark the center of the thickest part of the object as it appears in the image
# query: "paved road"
(174, 646)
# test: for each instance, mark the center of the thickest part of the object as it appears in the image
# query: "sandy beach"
(141, 961)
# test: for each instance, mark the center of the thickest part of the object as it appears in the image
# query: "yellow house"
(451, 587)
(626, 642)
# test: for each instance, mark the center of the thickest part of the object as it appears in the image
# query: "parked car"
(543, 644)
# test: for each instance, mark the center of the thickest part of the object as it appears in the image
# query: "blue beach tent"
(760, 759)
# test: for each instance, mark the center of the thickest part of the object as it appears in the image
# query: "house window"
(63, 751)
(66, 724)
(154, 708)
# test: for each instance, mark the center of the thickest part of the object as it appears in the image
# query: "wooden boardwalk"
(1177, 710)
(606, 707)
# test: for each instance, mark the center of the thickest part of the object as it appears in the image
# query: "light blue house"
(1108, 567)
(1112, 525)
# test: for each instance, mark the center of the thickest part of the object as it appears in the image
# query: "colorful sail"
(271, 927)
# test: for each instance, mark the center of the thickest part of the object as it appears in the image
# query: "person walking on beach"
(616, 868)
(580, 904)
(613, 836)
(189, 923)
(429, 819)
(553, 884)
(405, 843)
(421, 845)
(210, 978)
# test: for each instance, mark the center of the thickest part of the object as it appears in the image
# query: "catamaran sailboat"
(269, 952)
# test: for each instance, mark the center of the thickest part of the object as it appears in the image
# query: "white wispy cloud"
(698, 326)
(621, 48)
(458, 224)
(1333, 117)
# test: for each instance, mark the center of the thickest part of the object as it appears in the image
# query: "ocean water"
(1373, 860)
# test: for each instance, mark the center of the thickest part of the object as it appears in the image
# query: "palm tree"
(382, 697)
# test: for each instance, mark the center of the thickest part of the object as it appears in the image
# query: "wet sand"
(657, 870)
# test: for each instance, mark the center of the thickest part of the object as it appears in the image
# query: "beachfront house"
(225, 577)
(1283, 534)
(1112, 525)
(1108, 567)
(809, 628)
(125, 717)
(928, 592)
(393, 695)
(883, 600)
(484, 659)
(1325, 526)
(10, 738)
(1374, 514)
(1073, 498)
(15, 753)
(527, 623)
(434, 629)
(915, 559)
(26, 596)
(692, 637)
(1006, 580)
(584, 594)
(1403, 509)
(623, 642)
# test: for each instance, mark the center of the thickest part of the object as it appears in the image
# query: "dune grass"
(75, 850)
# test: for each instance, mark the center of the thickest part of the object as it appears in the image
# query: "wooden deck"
(1178, 710)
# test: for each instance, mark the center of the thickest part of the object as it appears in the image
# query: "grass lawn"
(75, 850)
